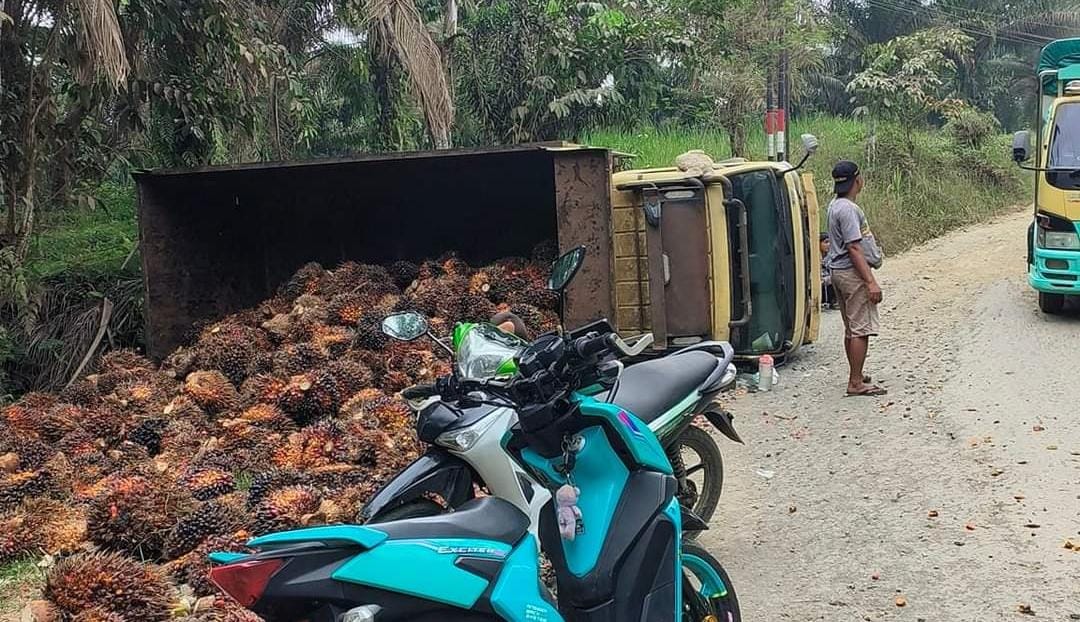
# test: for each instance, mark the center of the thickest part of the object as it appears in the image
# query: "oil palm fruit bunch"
(403, 273)
(83, 392)
(268, 417)
(205, 484)
(24, 418)
(210, 518)
(114, 584)
(19, 534)
(312, 447)
(212, 391)
(309, 279)
(286, 508)
(267, 481)
(193, 568)
(135, 513)
(297, 358)
(310, 396)
(233, 349)
(15, 487)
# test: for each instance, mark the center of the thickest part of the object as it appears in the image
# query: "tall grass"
(909, 197)
(87, 242)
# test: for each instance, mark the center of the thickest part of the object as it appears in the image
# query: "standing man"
(853, 258)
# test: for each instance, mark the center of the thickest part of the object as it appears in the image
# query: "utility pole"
(777, 90)
(770, 115)
(784, 95)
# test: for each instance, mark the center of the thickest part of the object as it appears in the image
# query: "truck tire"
(1051, 304)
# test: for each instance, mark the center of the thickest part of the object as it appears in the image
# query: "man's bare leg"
(856, 354)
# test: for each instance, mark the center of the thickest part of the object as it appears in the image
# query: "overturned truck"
(727, 254)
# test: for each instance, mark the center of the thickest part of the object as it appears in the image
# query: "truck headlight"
(1058, 240)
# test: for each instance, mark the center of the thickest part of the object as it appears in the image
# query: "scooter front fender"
(436, 472)
(724, 421)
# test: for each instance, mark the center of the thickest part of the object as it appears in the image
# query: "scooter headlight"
(458, 440)
(466, 438)
(366, 613)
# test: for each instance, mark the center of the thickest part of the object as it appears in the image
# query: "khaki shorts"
(860, 315)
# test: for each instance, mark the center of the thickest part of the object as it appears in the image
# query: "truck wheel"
(1051, 304)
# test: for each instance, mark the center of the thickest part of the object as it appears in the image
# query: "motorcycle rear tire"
(712, 464)
(417, 508)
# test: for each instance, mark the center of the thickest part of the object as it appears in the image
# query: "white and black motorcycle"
(465, 437)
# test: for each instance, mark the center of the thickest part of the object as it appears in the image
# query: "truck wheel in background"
(1051, 304)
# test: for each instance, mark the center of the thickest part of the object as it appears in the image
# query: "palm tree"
(399, 29)
(37, 40)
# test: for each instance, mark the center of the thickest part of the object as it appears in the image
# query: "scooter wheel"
(708, 593)
(703, 472)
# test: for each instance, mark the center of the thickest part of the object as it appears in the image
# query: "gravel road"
(951, 499)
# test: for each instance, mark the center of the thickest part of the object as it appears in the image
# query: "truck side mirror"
(1021, 149)
(810, 144)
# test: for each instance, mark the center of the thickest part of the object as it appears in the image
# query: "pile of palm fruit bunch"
(280, 416)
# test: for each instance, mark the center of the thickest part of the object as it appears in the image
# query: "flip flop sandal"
(869, 392)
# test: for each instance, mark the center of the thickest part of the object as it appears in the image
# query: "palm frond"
(102, 43)
(401, 27)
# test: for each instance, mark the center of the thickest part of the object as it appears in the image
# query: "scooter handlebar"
(419, 392)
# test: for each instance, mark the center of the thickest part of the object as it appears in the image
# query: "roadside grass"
(87, 242)
(18, 579)
(910, 197)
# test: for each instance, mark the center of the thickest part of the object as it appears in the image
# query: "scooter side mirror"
(407, 326)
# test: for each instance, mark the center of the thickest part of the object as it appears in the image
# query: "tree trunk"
(737, 139)
(386, 83)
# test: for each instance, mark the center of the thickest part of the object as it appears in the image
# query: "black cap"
(844, 175)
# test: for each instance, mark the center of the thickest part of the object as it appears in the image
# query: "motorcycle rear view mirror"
(407, 326)
(565, 269)
(410, 326)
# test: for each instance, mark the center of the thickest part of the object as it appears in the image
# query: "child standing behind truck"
(828, 293)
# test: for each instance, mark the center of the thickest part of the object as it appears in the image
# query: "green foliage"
(910, 77)
(15, 579)
(972, 128)
(907, 199)
(546, 69)
(91, 242)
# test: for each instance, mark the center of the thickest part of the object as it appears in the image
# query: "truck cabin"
(724, 256)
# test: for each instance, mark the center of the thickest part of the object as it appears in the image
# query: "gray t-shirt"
(847, 224)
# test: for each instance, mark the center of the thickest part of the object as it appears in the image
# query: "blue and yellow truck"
(1054, 235)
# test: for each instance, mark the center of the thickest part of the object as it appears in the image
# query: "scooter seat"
(650, 389)
(487, 518)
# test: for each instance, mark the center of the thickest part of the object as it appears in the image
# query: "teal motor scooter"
(613, 532)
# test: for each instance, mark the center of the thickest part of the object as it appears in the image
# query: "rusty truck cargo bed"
(222, 238)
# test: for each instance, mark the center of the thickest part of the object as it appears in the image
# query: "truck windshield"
(1065, 148)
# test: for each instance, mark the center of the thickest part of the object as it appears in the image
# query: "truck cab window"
(1065, 148)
